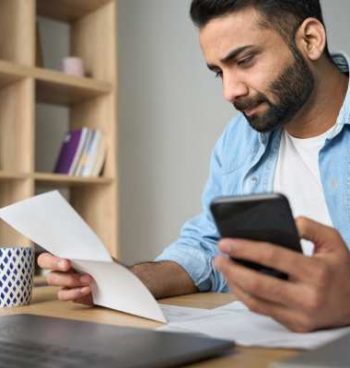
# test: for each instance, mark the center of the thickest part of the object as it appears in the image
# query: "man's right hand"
(163, 279)
(74, 286)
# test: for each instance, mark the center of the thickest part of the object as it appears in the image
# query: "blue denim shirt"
(243, 162)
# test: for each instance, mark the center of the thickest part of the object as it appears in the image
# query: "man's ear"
(311, 38)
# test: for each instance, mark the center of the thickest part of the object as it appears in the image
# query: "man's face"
(262, 77)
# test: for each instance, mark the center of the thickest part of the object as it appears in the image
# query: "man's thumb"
(326, 239)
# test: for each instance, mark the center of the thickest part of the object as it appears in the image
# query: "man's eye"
(218, 74)
(246, 61)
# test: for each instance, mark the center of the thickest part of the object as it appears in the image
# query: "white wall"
(336, 14)
(171, 113)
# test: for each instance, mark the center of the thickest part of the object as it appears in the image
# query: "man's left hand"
(317, 293)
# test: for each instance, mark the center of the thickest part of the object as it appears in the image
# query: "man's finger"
(68, 280)
(87, 300)
(252, 302)
(325, 238)
(48, 261)
(261, 286)
(74, 294)
(290, 318)
(269, 255)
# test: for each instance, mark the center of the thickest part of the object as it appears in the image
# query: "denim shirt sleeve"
(197, 245)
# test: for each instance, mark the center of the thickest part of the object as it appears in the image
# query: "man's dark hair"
(285, 16)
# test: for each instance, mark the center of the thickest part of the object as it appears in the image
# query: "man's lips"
(251, 110)
(247, 108)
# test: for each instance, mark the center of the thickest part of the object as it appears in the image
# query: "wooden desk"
(44, 303)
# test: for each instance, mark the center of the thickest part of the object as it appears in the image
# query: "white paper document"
(49, 221)
(117, 288)
(235, 322)
(234, 306)
(174, 313)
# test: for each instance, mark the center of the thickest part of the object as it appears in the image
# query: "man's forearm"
(164, 279)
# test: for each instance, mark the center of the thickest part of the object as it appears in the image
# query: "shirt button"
(334, 184)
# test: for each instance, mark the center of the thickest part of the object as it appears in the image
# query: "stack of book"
(83, 153)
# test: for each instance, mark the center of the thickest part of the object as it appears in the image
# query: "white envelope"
(49, 221)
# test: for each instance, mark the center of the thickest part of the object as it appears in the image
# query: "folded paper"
(49, 221)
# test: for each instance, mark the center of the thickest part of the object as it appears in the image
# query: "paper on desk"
(174, 313)
(234, 306)
(117, 288)
(237, 323)
(48, 220)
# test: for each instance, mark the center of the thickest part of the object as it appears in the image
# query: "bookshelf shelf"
(8, 176)
(58, 88)
(52, 86)
(91, 103)
(67, 180)
(67, 10)
(10, 73)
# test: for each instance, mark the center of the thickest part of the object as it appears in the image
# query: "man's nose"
(234, 89)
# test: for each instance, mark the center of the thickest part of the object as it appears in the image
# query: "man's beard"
(292, 88)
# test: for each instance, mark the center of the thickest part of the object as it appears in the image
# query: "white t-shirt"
(298, 177)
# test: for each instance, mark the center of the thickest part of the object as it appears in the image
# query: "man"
(292, 136)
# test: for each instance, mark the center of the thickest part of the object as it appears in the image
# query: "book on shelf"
(82, 153)
(77, 171)
(79, 151)
(69, 152)
(100, 158)
(96, 155)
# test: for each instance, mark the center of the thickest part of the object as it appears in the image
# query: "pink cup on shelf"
(73, 66)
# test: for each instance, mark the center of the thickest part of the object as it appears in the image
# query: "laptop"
(333, 355)
(36, 341)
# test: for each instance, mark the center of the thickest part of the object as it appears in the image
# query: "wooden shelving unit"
(57, 88)
(69, 181)
(9, 176)
(10, 73)
(67, 10)
(91, 102)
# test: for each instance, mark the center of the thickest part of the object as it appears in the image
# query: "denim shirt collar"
(343, 62)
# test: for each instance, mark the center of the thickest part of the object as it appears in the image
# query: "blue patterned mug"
(16, 275)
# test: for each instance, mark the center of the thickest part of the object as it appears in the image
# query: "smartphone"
(261, 217)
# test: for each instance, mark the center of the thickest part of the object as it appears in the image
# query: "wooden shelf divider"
(58, 88)
(52, 86)
(8, 176)
(69, 180)
(11, 73)
(68, 10)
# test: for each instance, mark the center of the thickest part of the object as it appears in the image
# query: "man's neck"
(323, 107)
